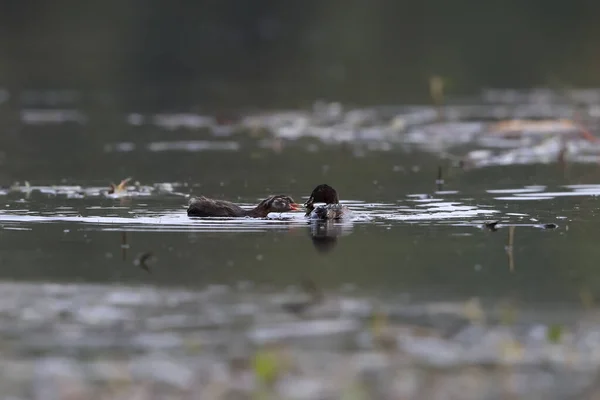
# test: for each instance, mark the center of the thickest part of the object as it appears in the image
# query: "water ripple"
(29, 205)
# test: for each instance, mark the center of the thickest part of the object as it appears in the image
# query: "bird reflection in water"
(324, 234)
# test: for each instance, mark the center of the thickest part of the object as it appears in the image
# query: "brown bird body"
(205, 207)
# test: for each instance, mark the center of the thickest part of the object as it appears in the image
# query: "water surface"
(96, 283)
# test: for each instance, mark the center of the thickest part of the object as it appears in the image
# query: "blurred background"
(265, 53)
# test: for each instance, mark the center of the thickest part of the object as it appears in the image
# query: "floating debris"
(121, 187)
(517, 127)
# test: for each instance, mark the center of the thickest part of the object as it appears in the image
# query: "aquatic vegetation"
(270, 363)
(554, 333)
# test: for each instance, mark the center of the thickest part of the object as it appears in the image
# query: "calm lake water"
(409, 241)
(406, 237)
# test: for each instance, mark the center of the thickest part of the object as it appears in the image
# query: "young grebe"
(205, 207)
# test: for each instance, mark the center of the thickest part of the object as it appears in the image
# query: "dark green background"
(189, 54)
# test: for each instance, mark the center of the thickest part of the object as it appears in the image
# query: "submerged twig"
(509, 248)
(439, 182)
(562, 160)
(124, 245)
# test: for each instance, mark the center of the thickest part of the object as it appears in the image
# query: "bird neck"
(258, 212)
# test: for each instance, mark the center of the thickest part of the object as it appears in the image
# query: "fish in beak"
(309, 201)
